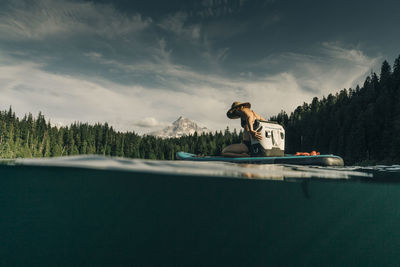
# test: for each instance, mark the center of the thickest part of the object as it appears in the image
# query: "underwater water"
(99, 211)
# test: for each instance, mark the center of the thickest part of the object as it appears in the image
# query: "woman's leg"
(235, 150)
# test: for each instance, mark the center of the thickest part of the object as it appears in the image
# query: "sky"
(139, 65)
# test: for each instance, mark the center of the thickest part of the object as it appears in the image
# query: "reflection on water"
(97, 211)
(219, 169)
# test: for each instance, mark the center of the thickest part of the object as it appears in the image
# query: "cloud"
(65, 99)
(174, 23)
(178, 25)
(57, 33)
(141, 81)
(22, 19)
(331, 68)
(203, 97)
(149, 122)
(338, 68)
(355, 56)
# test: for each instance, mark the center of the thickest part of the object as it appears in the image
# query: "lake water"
(98, 211)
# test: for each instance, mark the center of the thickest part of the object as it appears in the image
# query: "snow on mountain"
(182, 126)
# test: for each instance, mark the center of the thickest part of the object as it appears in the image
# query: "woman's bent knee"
(236, 148)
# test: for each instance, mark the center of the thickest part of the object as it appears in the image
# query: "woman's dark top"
(243, 123)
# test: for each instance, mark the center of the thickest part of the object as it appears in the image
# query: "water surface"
(98, 211)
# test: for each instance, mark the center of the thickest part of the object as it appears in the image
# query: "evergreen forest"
(36, 137)
(360, 125)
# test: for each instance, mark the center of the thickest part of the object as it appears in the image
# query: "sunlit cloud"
(149, 122)
(202, 97)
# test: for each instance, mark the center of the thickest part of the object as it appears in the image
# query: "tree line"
(36, 137)
(361, 124)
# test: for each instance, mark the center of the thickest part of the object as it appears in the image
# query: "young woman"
(247, 119)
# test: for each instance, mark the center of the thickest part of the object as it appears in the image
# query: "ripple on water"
(218, 169)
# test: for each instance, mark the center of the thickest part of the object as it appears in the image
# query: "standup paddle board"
(318, 160)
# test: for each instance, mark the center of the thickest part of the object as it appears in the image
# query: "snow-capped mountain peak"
(182, 126)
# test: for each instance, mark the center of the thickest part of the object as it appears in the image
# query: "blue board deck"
(318, 160)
